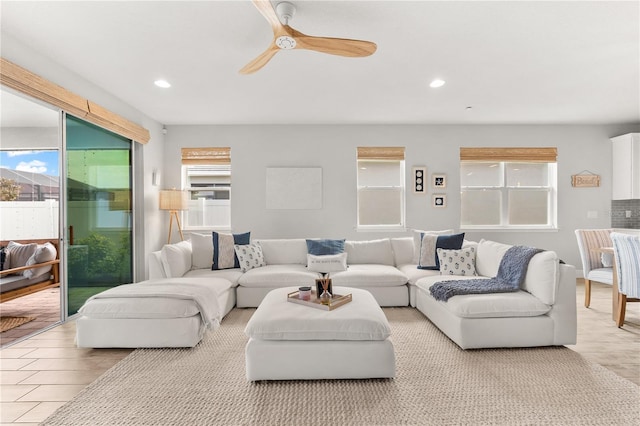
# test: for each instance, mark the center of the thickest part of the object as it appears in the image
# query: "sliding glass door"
(98, 211)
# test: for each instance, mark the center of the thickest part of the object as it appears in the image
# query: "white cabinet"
(626, 167)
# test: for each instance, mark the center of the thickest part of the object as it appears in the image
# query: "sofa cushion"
(150, 307)
(327, 263)
(364, 320)
(417, 241)
(284, 251)
(402, 250)
(176, 259)
(249, 256)
(224, 255)
(272, 276)
(44, 253)
(369, 276)
(201, 251)
(431, 243)
(457, 262)
(323, 246)
(378, 252)
(414, 274)
(19, 254)
(231, 275)
(490, 305)
(489, 256)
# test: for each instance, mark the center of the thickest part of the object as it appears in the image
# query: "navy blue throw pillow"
(450, 242)
(323, 247)
(224, 255)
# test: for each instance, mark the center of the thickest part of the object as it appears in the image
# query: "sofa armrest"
(564, 312)
(24, 268)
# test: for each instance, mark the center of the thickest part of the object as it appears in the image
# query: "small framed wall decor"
(439, 180)
(439, 200)
(418, 177)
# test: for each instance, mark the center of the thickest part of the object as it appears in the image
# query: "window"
(206, 175)
(508, 188)
(380, 187)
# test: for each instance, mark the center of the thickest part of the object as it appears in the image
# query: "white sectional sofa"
(542, 313)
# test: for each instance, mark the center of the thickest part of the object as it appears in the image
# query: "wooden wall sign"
(585, 180)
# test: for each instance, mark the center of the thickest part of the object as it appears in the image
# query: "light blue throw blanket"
(511, 273)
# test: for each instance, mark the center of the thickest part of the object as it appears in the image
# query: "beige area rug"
(437, 384)
(7, 323)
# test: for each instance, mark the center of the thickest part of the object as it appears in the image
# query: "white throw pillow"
(249, 256)
(201, 251)
(44, 253)
(457, 262)
(327, 263)
(417, 241)
(176, 259)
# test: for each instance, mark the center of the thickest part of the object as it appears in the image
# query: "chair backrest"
(589, 239)
(626, 248)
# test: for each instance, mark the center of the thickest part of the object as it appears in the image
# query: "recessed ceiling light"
(436, 83)
(162, 83)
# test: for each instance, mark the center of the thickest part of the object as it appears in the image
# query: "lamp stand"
(174, 213)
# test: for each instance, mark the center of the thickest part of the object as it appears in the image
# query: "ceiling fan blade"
(335, 46)
(260, 61)
(266, 9)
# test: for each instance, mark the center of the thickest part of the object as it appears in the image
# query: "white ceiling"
(512, 61)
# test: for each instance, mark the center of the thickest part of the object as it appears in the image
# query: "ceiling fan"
(285, 38)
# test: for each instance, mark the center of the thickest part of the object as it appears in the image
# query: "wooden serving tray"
(337, 300)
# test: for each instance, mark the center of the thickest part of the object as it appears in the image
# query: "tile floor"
(40, 374)
(44, 305)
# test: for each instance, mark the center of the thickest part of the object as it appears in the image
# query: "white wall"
(148, 157)
(333, 147)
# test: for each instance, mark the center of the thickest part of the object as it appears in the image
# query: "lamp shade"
(173, 199)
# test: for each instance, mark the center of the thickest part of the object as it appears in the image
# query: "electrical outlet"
(627, 213)
(592, 214)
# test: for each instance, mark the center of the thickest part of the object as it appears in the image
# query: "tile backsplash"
(620, 209)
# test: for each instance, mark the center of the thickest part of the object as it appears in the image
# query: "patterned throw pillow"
(327, 263)
(430, 243)
(249, 256)
(458, 262)
(224, 256)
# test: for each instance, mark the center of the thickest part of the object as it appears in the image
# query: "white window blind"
(380, 187)
(508, 188)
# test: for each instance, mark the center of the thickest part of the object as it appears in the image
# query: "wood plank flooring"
(40, 374)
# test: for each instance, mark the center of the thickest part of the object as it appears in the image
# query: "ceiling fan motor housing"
(285, 11)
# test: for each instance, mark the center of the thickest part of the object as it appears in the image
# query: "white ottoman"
(288, 341)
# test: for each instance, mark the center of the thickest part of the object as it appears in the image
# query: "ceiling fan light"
(437, 83)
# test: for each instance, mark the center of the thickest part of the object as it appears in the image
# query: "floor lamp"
(174, 200)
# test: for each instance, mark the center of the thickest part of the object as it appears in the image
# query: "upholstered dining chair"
(626, 249)
(589, 241)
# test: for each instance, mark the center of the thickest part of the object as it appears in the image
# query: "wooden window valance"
(540, 155)
(218, 155)
(24, 81)
(380, 153)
